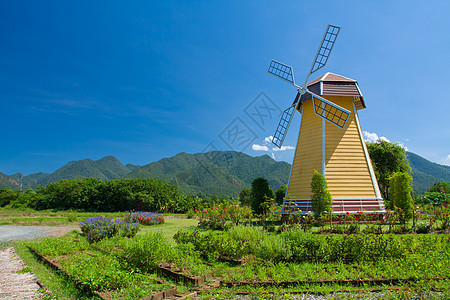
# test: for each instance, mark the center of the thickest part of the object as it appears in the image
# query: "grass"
(59, 286)
(171, 226)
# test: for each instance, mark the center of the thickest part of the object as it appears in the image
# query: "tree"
(400, 193)
(7, 196)
(321, 198)
(245, 196)
(387, 158)
(279, 194)
(440, 187)
(261, 192)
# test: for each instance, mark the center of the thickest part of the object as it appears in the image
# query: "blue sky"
(144, 80)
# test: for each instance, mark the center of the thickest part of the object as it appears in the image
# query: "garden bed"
(93, 283)
(178, 274)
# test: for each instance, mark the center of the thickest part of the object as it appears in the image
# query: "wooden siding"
(346, 168)
(335, 85)
(308, 155)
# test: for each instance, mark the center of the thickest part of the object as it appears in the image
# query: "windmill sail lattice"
(283, 126)
(330, 111)
(281, 71)
(325, 48)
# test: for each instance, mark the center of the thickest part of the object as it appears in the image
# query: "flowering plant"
(98, 228)
(144, 217)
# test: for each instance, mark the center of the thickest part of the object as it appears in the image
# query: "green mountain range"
(425, 172)
(223, 173)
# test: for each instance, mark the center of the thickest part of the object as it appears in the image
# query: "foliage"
(387, 158)
(145, 252)
(261, 192)
(98, 228)
(298, 246)
(400, 194)
(321, 198)
(440, 187)
(434, 198)
(7, 196)
(114, 195)
(279, 194)
(215, 216)
(245, 196)
(52, 247)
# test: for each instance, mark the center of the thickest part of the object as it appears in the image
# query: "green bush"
(321, 200)
(400, 194)
(145, 252)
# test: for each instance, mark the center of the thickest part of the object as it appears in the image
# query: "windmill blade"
(330, 111)
(283, 125)
(325, 49)
(282, 71)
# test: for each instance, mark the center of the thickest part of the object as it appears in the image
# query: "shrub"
(190, 214)
(145, 252)
(321, 198)
(215, 216)
(400, 194)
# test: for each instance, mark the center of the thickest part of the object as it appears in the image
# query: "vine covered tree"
(387, 158)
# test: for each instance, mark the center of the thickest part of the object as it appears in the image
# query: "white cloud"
(283, 148)
(445, 161)
(403, 146)
(373, 137)
(268, 140)
(260, 148)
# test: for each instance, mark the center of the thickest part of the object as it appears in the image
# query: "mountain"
(425, 172)
(215, 173)
(107, 168)
(205, 174)
(8, 182)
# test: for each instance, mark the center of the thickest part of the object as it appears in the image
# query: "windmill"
(330, 139)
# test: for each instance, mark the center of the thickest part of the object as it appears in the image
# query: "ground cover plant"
(296, 257)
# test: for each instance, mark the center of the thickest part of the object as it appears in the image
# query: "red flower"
(357, 218)
(348, 213)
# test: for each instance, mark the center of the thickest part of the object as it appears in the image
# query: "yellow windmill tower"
(330, 139)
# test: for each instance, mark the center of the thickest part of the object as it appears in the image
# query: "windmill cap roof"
(331, 77)
(332, 84)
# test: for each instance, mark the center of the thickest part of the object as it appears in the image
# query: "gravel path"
(9, 233)
(14, 285)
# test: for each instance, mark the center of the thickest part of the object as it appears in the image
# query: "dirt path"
(14, 285)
